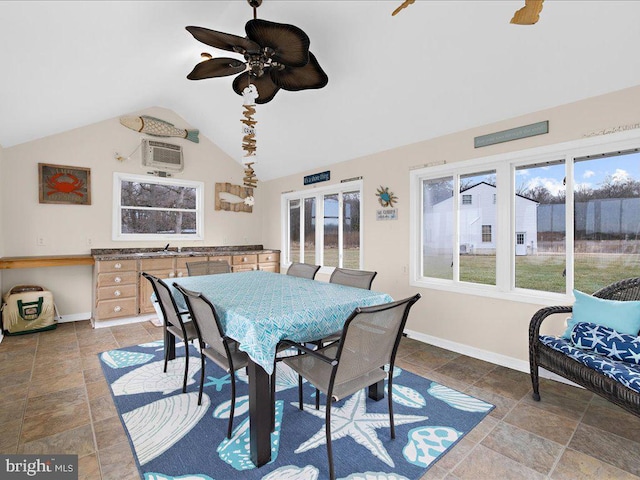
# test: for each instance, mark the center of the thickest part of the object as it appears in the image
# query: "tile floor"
(54, 399)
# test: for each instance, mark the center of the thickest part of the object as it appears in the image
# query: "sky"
(588, 173)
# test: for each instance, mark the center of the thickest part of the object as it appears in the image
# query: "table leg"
(169, 345)
(259, 414)
(376, 391)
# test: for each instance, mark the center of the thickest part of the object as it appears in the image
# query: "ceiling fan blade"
(290, 43)
(224, 41)
(266, 88)
(302, 78)
(216, 67)
(529, 14)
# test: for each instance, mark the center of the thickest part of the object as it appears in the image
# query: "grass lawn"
(543, 272)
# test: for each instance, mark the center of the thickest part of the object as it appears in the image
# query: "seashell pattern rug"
(173, 437)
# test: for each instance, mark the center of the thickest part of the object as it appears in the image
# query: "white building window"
(564, 216)
(152, 208)
(323, 226)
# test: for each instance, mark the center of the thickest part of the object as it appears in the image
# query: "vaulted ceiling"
(437, 67)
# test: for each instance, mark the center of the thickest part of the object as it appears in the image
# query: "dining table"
(258, 309)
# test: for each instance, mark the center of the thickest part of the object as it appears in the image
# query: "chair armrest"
(539, 316)
(306, 350)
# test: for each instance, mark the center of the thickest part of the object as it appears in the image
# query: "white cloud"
(553, 185)
(588, 174)
(620, 176)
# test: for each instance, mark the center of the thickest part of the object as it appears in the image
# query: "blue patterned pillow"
(606, 341)
(622, 316)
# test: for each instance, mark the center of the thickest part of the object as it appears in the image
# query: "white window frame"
(117, 234)
(319, 193)
(505, 165)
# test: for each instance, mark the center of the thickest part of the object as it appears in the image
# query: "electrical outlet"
(89, 241)
(41, 241)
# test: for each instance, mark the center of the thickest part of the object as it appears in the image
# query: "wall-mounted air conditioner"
(162, 156)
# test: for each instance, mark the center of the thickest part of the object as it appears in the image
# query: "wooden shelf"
(45, 261)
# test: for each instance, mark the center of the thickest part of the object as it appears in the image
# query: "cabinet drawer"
(156, 264)
(181, 262)
(244, 259)
(269, 267)
(244, 268)
(125, 307)
(115, 265)
(221, 258)
(114, 279)
(269, 257)
(120, 291)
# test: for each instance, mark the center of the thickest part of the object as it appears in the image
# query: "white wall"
(66, 228)
(496, 328)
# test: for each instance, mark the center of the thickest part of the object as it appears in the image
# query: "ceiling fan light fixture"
(276, 55)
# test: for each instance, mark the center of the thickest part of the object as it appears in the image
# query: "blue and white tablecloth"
(258, 309)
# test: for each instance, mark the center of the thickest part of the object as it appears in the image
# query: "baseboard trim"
(74, 317)
(122, 321)
(486, 355)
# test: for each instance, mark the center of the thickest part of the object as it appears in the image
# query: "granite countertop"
(133, 253)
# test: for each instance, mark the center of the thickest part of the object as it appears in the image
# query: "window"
(335, 240)
(486, 233)
(151, 208)
(542, 221)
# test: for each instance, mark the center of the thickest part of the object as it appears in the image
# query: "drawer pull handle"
(117, 308)
(117, 279)
(244, 259)
(117, 293)
(172, 274)
(179, 274)
(118, 266)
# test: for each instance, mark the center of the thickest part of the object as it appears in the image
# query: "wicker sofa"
(541, 355)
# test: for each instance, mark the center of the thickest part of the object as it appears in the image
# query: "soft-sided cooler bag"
(27, 309)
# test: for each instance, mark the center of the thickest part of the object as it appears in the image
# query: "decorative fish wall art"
(158, 128)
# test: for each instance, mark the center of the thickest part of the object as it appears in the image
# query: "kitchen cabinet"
(116, 289)
(121, 291)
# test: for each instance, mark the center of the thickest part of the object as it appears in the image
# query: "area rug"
(172, 437)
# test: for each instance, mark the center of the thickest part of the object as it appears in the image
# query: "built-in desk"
(41, 261)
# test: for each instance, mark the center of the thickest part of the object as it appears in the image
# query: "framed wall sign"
(64, 185)
(317, 177)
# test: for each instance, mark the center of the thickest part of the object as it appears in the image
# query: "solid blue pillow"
(623, 317)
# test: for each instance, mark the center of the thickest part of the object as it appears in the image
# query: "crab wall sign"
(64, 185)
(385, 197)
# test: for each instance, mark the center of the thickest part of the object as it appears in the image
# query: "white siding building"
(478, 223)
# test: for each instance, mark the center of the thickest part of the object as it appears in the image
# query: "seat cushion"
(627, 374)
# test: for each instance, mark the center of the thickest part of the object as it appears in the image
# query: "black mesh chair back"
(210, 267)
(353, 278)
(214, 344)
(368, 343)
(173, 321)
(303, 270)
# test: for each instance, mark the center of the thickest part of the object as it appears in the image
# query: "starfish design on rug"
(352, 420)
(218, 382)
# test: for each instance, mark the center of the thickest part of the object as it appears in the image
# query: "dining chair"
(303, 270)
(210, 267)
(214, 344)
(353, 278)
(173, 323)
(369, 341)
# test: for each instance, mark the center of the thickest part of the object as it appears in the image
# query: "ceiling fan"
(527, 15)
(276, 56)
